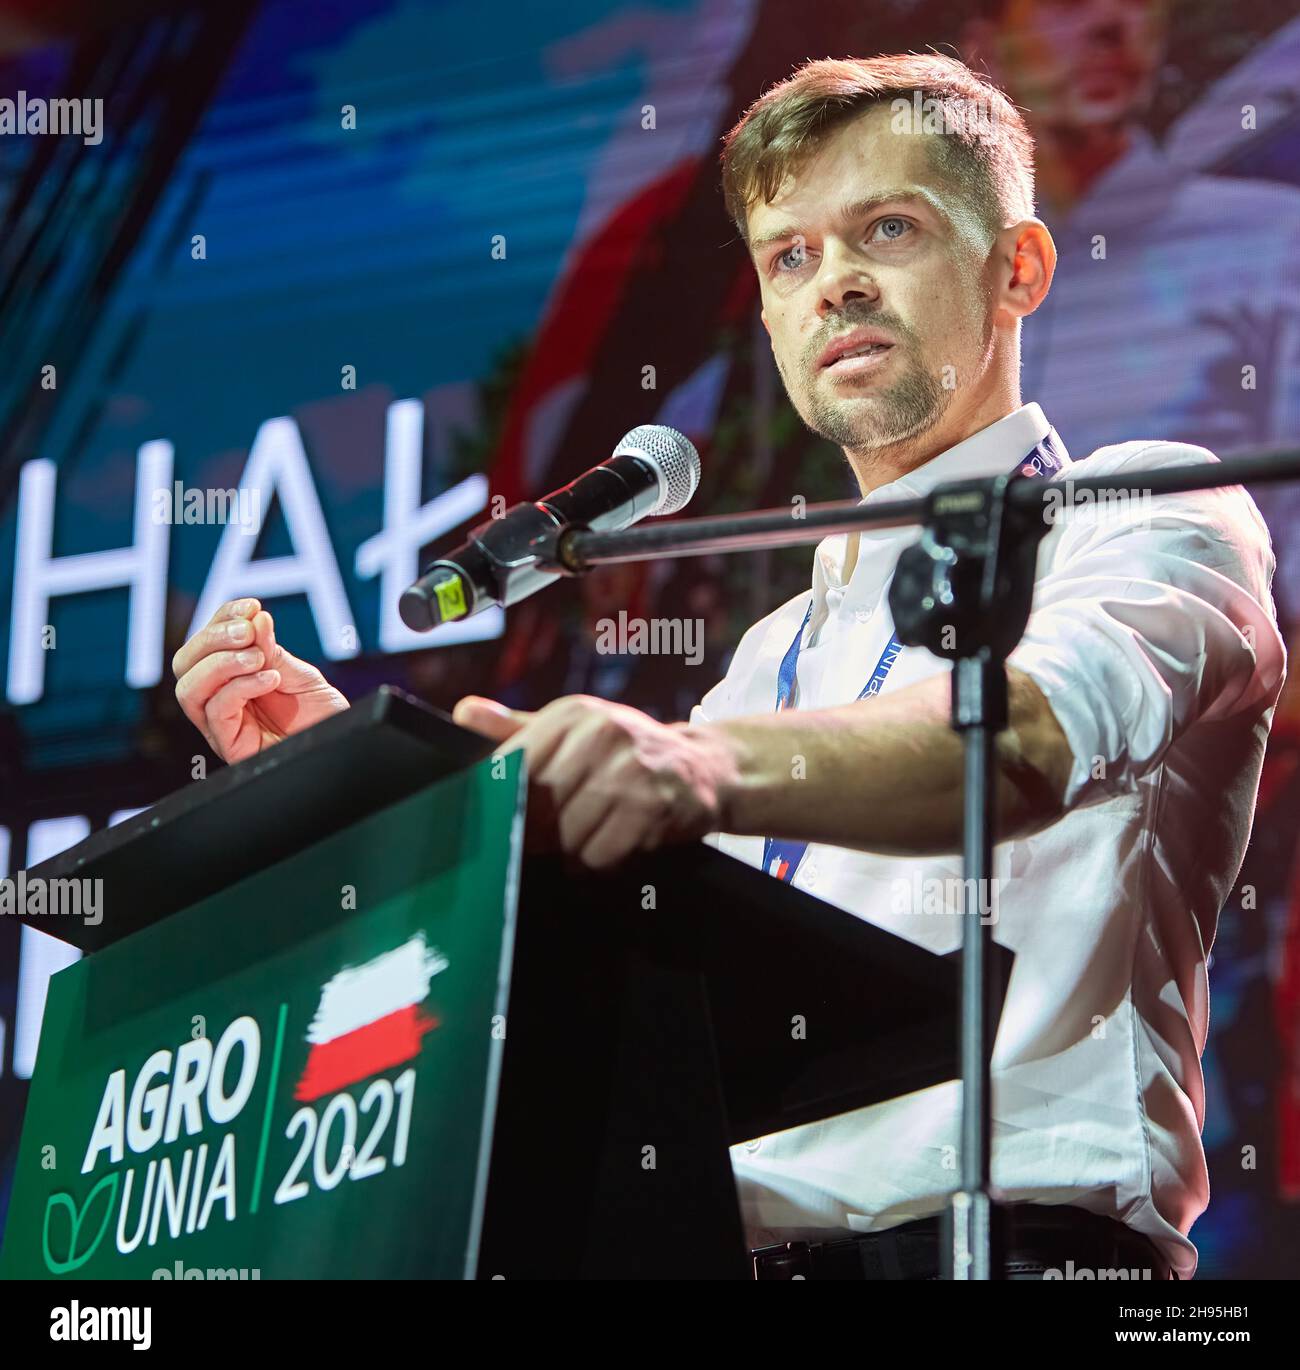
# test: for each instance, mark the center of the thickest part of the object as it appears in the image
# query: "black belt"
(1068, 1242)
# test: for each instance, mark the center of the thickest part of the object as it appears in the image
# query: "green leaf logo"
(76, 1217)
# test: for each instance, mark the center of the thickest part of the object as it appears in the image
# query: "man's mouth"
(858, 360)
(855, 352)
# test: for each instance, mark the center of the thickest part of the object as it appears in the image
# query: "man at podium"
(888, 207)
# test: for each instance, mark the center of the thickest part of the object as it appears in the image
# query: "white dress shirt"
(1153, 637)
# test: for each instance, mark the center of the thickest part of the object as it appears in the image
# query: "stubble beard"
(908, 407)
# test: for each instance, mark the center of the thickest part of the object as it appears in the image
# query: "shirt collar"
(990, 452)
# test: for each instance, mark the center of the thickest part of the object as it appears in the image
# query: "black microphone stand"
(964, 590)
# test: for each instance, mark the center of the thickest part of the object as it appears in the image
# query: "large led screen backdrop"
(391, 260)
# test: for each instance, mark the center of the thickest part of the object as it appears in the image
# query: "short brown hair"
(792, 119)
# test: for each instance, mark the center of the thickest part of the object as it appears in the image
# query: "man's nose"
(843, 277)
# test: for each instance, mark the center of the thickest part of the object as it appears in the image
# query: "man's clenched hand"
(242, 690)
(615, 780)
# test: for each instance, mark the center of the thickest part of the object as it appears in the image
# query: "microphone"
(654, 470)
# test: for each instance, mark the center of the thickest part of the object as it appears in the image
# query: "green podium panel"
(293, 1078)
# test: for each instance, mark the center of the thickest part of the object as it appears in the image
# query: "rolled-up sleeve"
(1149, 617)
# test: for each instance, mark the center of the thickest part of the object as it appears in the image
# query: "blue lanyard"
(781, 856)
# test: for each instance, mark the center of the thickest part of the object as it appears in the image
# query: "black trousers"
(1039, 1242)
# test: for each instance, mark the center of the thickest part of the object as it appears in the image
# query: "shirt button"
(809, 877)
(753, 1146)
(862, 615)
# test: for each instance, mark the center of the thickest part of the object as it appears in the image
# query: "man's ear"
(1027, 261)
(762, 314)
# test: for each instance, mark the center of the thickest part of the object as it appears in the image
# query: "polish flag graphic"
(369, 1018)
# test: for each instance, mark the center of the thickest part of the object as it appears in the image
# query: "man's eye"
(892, 229)
(792, 258)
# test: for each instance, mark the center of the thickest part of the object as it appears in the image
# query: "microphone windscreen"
(673, 455)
